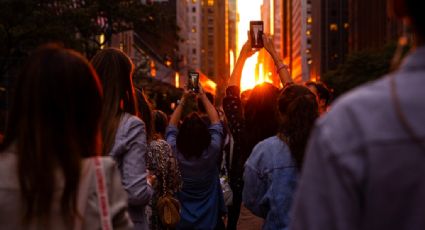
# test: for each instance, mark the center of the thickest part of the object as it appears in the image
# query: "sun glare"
(253, 72)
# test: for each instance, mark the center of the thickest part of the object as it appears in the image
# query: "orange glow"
(207, 84)
(177, 79)
(254, 71)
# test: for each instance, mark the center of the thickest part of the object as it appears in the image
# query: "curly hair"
(298, 110)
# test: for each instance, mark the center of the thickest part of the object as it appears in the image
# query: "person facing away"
(364, 166)
(323, 94)
(50, 142)
(197, 148)
(124, 135)
(271, 171)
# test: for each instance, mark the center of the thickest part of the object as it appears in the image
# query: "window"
(333, 27)
(346, 25)
(309, 20)
(308, 33)
(193, 9)
(193, 51)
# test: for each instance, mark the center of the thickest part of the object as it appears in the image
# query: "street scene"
(212, 114)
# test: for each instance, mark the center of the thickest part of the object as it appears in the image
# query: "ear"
(397, 8)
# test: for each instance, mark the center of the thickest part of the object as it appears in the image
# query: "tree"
(359, 68)
(25, 24)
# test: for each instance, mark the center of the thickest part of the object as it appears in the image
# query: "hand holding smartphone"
(193, 82)
(256, 30)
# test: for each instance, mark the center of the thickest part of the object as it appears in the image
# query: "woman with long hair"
(197, 147)
(51, 139)
(272, 169)
(124, 134)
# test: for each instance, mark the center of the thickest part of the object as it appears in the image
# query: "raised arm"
(284, 75)
(211, 111)
(175, 117)
(246, 52)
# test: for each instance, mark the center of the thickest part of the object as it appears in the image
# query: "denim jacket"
(129, 152)
(362, 170)
(270, 179)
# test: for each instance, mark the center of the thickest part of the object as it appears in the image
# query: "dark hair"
(298, 110)
(415, 10)
(145, 113)
(201, 107)
(193, 137)
(54, 121)
(261, 115)
(160, 122)
(324, 93)
(115, 70)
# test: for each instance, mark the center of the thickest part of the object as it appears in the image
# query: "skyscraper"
(370, 25)
(329, 43)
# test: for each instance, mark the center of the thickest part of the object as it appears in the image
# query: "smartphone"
(193, 82)
(256, 29)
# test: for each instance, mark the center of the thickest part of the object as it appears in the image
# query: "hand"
(269, 46)
(201, 89)
(151, 179)
(247, 50)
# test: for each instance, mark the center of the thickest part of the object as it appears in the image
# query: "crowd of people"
(85, 149)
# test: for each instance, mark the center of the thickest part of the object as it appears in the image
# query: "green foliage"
(360, 68)
(25, 24)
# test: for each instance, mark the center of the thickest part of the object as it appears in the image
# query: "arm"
(175, 117)
(211, 111)
(134, 173)
(255, 187)
(246, 52)
(284, 74)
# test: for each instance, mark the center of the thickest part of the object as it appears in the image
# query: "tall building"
(329, 44)
(293, 34)
(189, 14)
(231, 33)
(370, 25)
(214, 35)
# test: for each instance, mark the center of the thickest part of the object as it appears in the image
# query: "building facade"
(330, 32)
(293, 32)
(371, 26)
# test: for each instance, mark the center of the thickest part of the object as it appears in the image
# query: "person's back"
(364, 169)
(48, 158)
(197, 148)
(11, 200)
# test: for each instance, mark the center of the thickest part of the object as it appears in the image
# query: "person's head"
(261, 114)
(54, 123)
(115, 70)
(323, 94)
(298, 110)
(145, 112)
(193, 137)
(160, 123)
(413, 11)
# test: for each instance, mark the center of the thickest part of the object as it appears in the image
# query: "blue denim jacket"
(270, 179)
(129, 152)
(362, 169)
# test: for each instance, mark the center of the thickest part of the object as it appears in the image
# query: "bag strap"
(102, 195)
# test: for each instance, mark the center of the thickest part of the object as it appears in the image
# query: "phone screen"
(193, 84)
(256, 29)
